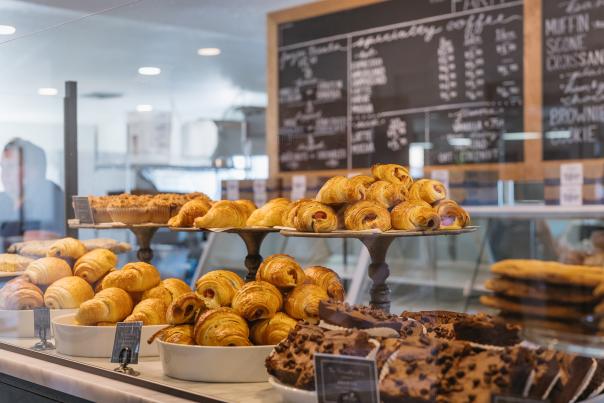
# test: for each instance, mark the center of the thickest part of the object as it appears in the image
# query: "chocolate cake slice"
(546, 372)
(596, 385)
(576, 375)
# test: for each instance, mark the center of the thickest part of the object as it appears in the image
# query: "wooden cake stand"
(377, 244)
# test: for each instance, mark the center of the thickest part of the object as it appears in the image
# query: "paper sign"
(260, 197)
(82, 210)
(341, 378)
(571, 195)
(232, 190)
(571, 174)
(127, 341)
(441, 175)
(42, 323)
(298, 187)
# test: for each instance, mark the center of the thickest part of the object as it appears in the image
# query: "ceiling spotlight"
(47, 91)
(208, 52)
(144, 108)
(149, 71)
(7, 30)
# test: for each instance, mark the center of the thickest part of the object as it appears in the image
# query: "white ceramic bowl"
(290, 394)
(95, 341)
(214, 364)
(18, 324)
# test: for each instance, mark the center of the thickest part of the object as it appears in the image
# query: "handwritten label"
(260, 195)
(232, 190)
(571, 195)
(82, 210)
(127, 342)
(346, 379)
(298, 187)
(571, 174)
(42, 323)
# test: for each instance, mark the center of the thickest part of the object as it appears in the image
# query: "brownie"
(357, 316)
(575, 376)
(546, 373)
(596, 385)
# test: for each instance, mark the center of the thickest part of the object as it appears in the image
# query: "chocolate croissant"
(47, 270)
(392, 173)
(189, 212)
(224, 214)
(67, 248)
(364, 215)
(167, 290)
(184, 309)
(282, 271)
(110, 305)
(313, 216)
(180, 334)
(327, 279)
(387, 194)
(451, 215)
(414, 215)
(303, 302)
(257, 300)
(269, 215)
(221, 327)
(218, 287)
(20, 294)
(150, 311)
(428, 190)
(94, 264)
(272, 331)
(68, 293)
(133, 277)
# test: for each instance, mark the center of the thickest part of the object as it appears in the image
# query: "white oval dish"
(214, 364)
(292, 395)
(20, 324)
(95, 341)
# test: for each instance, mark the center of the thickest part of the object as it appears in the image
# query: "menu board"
(573, 79)
(436, 81)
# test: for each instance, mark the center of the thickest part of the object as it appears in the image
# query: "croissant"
(281, 271)
(94, 264)
(68, 293)
(414, 215)
(221, 327)
(313, 216)
(366, 215)
(334, 191)
(98, 285)
(218, 287)
(47, 270)
(257, 300)
(289, 215)
(428, 190)
(20, 294)
(224, 214)
(184, 308)
(109, 305)
(387, 194)
(167, 290)
(269, 215)
(451, 215)
(189, 212)
(272, 331)
(327, 279)
(392, 173)
(181, 334)
(303, 302)
(133, 277)
(248, 206)
(357, 187)
(67, 248)
(150, 311)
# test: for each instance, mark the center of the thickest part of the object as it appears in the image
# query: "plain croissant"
(224, 214)
(110, 305)
(269, 215)
(133, 277)
(150, 311)
(68, 293)
(67, 248)
(189, 212)
(94, 264)
(47, 270)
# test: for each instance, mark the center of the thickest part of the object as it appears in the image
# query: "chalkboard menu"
(434, 81)
(573, 79)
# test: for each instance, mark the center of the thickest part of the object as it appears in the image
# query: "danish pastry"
(451, 215)
(289, 215)
(414, 215)
(303, 302)
(257, 300)
(387, 194)
(313, 216)
(392, 173)
(272, 331)
(180, 334)
(221, 327)
(167, 290)
(327, 279)
(428, 190)
(364, 215)
(218, 287)
(184, 309)
(282, 271)
(334, 191)
(357, 187)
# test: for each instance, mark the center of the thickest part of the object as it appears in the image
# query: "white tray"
(95, 341)
(214, 364)
(290, 394)
(20, 324)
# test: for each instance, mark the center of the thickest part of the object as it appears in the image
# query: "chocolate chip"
(471, 398)
(499, 381)
(452, 380)
(475, 382)
(472, 366)
(460, 374)
(423, 391)
(422, 376)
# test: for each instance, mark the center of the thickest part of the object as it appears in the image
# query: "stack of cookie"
(545, 294)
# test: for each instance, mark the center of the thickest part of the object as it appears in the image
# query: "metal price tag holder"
(126, 346)
(42, 329)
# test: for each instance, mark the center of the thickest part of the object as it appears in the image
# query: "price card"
(515, 399)
(260, 196)
(82, 210)
(571, 195)
(298, 187)
(127, 341)
(342, 378)
(441, 175)
(232, 190)
(571, 184)
(42, 323)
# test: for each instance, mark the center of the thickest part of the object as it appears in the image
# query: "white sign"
(571, 174)
(571, 195)
(298, 187)
(232, 190)
(441, 175)
(260, 197)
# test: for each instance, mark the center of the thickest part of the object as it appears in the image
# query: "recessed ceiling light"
(149, 71)
(208, 52)
(7, 30)
(144, 108)
(47, 91)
